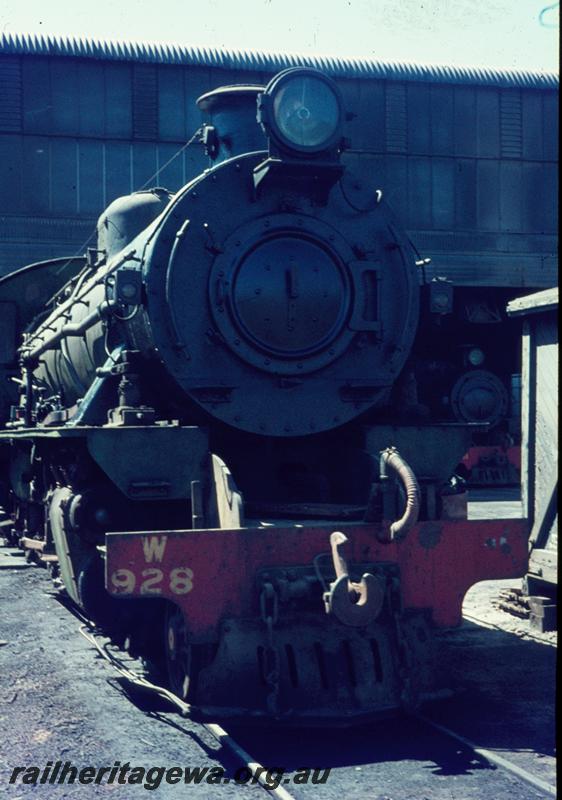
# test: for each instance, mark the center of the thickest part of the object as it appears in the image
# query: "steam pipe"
(64, 307)
(392, 458)
(76, 329)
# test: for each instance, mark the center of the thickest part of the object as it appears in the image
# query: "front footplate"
(253, 604)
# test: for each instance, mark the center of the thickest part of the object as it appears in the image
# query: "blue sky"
(496, 33)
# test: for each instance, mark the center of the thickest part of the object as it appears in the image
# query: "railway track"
(407, 759)
(415, 757)
(497, 776)
(136, 677)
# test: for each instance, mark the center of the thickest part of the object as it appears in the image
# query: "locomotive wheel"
(179, 654)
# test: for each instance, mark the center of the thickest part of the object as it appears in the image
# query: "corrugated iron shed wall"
(466, 157)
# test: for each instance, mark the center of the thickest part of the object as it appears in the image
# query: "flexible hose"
(392, 458)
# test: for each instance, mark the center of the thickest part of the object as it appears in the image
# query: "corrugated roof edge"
(27, 44)
(547, 300)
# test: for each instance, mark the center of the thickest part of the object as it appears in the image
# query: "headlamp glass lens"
(476, 357)
(306, 112)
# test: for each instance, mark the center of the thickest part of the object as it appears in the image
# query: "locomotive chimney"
(234, 128)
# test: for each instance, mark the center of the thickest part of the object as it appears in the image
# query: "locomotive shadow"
(399, 739)
(505, 689)
(402, 738)
(502, 700)
(161, 710)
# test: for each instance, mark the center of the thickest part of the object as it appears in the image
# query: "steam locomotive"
(218, 416)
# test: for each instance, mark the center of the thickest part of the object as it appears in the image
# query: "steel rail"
(525, 634)
(490, 755)
(255, 769)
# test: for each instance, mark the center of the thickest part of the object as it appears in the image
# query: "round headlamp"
(301, 110)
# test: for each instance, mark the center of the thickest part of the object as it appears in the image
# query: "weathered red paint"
(438, 562)
(473, 456)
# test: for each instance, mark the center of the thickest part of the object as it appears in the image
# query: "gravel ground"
(56, 704)
(60, 701)
(505, 681)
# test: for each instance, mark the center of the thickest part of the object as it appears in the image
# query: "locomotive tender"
(219, 409)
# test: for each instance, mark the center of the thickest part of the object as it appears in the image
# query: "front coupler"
(259, 597)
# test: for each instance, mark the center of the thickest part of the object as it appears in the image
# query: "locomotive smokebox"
(308, 311)
(234, 129)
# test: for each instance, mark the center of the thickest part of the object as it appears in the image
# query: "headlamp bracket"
(316, 177)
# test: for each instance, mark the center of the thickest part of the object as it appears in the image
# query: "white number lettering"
(123, 581)
(152, 576)
(181, 580)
